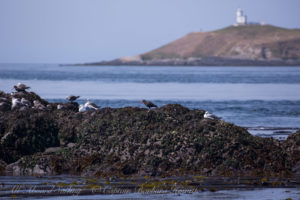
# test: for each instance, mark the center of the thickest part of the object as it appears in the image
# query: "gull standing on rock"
(149, 104)
(72, 98)
(210, 116)
(20, 87)
(91, 106)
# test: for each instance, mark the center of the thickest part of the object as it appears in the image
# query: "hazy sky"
(72, 31)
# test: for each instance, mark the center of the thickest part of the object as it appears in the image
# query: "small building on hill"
(241, 19)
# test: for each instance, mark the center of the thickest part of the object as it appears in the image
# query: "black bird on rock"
(149, 104)
(72, 98)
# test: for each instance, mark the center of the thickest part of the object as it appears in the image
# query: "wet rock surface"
(167, 141)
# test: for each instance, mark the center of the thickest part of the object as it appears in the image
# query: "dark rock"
(26, 133)
(71, 106)
(2, 166)
(170, 140)
(4, 106)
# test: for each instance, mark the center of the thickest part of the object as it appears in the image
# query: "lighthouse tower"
(241, 19)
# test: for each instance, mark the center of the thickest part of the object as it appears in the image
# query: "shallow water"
(244, 194)
(58, 187)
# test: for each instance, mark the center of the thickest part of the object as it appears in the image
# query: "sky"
(79, 31)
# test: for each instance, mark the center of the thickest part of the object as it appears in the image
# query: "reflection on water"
(253, 194)
(198, 187)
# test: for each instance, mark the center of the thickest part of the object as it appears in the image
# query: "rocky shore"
(119, 142)
(206, 61)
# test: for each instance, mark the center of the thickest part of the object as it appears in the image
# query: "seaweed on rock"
(170, 140)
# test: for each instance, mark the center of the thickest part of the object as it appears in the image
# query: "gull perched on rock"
(20, 87)
(149, 104)
(25, 102)
(82, 108)
(15, 103)
(60, 107)
(91, 106)
(72, 98)
(210, 116)
(38, 105)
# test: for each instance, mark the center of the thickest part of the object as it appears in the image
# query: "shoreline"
(207, 61)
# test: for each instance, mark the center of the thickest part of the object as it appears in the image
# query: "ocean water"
(264, 99)
(53, 188)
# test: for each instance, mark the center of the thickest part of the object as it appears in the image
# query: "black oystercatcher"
(149, 104)
(20, 87)
(72, 98)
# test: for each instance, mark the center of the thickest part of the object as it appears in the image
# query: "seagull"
(72, 98)
(25, 102)
(210, 116)
(20, 87)
(149, 104)
(15, 103)
(82, 108)
(38, 105)
(60, 107)
(91, 106)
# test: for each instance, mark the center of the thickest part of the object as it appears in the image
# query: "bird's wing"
(93, 105)
(151, 104)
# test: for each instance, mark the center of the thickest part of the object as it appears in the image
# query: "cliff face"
(242, 42)
(167, 141)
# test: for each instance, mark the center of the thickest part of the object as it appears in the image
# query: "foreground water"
(66, 187)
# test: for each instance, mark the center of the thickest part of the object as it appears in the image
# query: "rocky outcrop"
(292, 147)
(170, 140)
(251, 45)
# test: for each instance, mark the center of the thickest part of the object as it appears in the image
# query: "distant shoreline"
(211, 61)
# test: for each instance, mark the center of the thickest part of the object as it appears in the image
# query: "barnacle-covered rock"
(170, 140)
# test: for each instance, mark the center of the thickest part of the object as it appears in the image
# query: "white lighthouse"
(241, 19)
